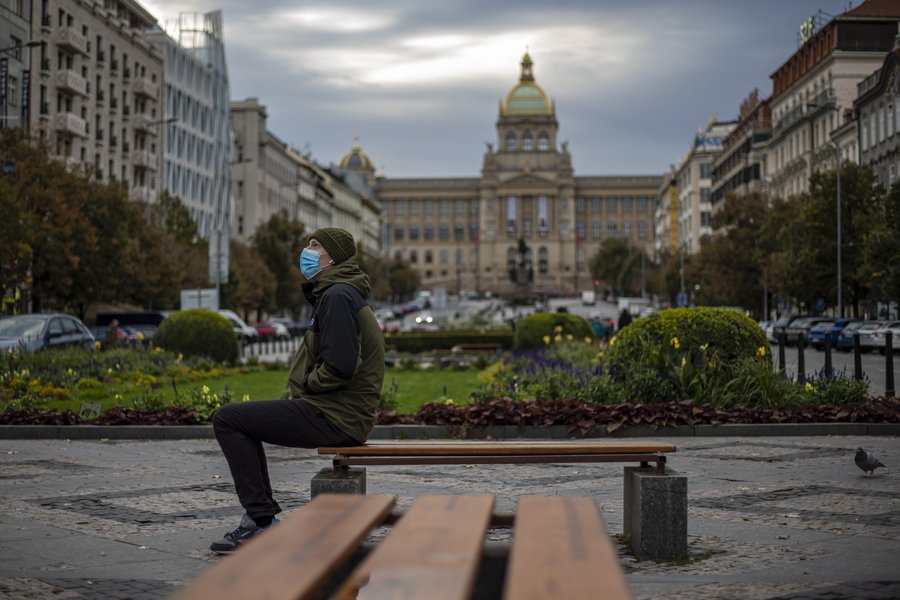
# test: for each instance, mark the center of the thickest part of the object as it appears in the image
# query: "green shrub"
(198, 332)
(722, 333)
(532, 330)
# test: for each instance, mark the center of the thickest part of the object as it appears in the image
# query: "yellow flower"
(245, 398)
(205, 390)
(704, 346)
(569, 337)
(808, 387)
(612, 341)
(449, 401)
(180, 357)
(674, 341)
(683, 361)
(97, 345)
(558, 329)
(588, 340)
(761, 352)
(557, 339)
(547, 340)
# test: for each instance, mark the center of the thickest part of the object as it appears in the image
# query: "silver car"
(34, 332)
(879, 338)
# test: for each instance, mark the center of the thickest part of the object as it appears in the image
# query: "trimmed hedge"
(443, 340)
(730, 335)
(198, 332)
(530, 330)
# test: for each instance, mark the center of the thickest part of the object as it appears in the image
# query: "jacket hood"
(348, 272)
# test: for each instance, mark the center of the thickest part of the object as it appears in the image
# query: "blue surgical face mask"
(309, 263)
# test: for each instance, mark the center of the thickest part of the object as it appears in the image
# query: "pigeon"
(867, 461)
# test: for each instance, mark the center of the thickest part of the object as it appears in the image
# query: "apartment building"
(693, 180)
(466, 233)
(814, 90)
(740, 167)
(15, 63)
(878, 107)
(95, 93)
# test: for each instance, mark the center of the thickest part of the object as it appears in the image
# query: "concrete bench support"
(340, 481)
(656, 513)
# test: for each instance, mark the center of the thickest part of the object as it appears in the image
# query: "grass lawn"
(414, 388)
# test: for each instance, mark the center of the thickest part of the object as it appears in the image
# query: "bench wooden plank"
(433, 552)
(444, 448)
(561, 550)
(294, 558)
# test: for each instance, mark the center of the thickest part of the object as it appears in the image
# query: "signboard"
(4, 82)
(26, 97)
(200, 298)
(682, 300)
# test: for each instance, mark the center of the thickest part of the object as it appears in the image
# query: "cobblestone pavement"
(769, 518)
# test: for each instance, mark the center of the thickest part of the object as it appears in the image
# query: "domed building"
(526, 216)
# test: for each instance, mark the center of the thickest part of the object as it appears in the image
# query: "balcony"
(70, 81)
(144, 87)
(69, 124)
(140, 158)
(145, 123)
(69, 38)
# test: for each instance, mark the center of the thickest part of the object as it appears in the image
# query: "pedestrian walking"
(335, 381)
(624, 320)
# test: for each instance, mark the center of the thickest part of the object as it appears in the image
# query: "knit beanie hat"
(337, 242)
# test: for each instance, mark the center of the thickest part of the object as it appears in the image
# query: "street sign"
(681, 300)
(199, 298)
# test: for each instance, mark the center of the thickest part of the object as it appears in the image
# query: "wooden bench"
(464, 453)
(655, 500)
(560, 550)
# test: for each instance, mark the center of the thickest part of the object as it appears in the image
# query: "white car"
(879, 339)
(244, 332)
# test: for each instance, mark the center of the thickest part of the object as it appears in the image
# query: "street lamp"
(147, 210)
(31, 44)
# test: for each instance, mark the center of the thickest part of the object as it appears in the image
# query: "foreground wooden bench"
(560, 550)
(655, 506)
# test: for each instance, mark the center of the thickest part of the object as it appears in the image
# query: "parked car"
(244, 332)
(867, 335)
(780, 325)
(829, 329)
(799, 328)
(35, 332)
(845, 338)
(294, 328)
(268, 330)
(879, 338)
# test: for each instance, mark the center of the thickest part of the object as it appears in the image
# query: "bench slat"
(561, 550)
(499, 448)
(433, 552)
(294, 558)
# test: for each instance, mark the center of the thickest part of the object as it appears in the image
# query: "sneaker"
(235, 539)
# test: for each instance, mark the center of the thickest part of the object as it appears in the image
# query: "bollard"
(829, 372)
(801, 362)
(888, 364)
(781, 344)
(857, 358)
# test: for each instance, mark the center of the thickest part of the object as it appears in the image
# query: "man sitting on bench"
(335, 381)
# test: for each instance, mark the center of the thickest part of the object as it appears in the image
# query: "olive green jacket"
(339, 368)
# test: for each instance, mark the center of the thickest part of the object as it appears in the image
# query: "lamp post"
(31, 44)
(148, 213)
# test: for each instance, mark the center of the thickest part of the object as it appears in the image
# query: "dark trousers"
(241, 430)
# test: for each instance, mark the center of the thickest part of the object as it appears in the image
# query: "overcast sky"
(420, 80)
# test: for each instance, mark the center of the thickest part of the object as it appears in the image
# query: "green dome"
(527, 97)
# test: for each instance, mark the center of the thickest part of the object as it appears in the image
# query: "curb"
(423, 432)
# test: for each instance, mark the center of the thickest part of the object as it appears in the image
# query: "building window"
(704, 218)
(611, 205)
(445, 206)
(596, 205)
(510, 142)
(398, 255)
(459, 256)
(543, 142)
(459, 232)
(626, 229)
(704, 195)
(413, 256)
(414, 207)
(398, 233)
(705, 170)
(626, 204)
(429, 207)
(595, 230)
(543, 259)
(460, 206)
(429, 232)
(526, 227)
(399, 206)
(473, 206)
(429, 257)
(642, 230)
(610, 231)
(543, 220)
(642, 204)
(473, 231)
(527, 143)
(511, 216)
(473, 257)
(580, 205)
(413, 232)
(580, 230)
(580, 256)
(444, 232)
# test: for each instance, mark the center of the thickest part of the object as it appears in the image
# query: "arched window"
(543, 142)
(413, 256)
(445, 256)
(429, 257)
(511, 141)
(527, 143)
(543, 259)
